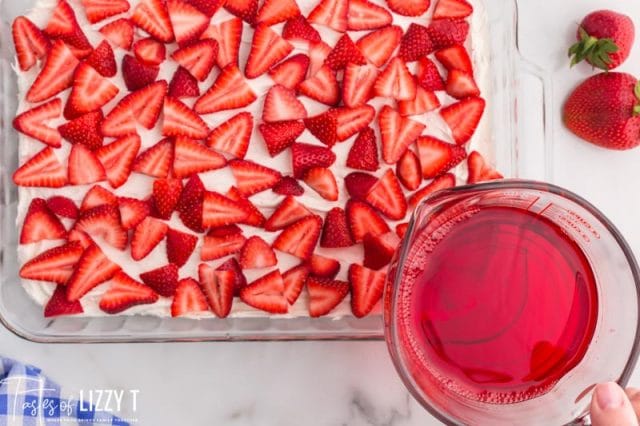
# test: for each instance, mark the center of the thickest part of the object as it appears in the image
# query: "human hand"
(613, 406)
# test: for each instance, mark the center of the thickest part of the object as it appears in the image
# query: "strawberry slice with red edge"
(58, 305)
(41, 224)
(90, 92)
(149, 51)
(98, 196)
(294, 280)
(146, 236)
(397, 133)
(288, 185)
(455, 58)
(364, 220)
(142, 106)
(155, 161)
(132, 211)
(409, 170)
(188, 298)
(252, 178)
(256, 253)
(218, 287)
(364, 15)
(198, 57)
(322, 266)
(461, 85)
(187, 21)
(322, 181)
(324, 127)
(99, 10)
(42, 170)
(190, 204)
(275, 11)
(359, 184)
(267, 49)
(318, 53)
(290, 72)
(424, 102)
(448, 32)
(387, 197)
(180, 245)
(103, 222)
(363, 154)
(162, 280)
(332, 14)
(357, 84)
(322, 87)
(239, 279)
(367, 287)
(254, 215)
(300, 238)
(166, 193)
(378, 46)
(62, 207)
(119, 32)
(118, 157)
(409, 7)
(299, 29)
(54, 265)
(92, 269)
(137, 74)
(479, 170)
(33, 123)
(352, 121)
(288, 212)
(379, 249)
(344, 52)
(428, 76)
(84, 129)
(243, 9)
(64, 25)
(463, 118)
(325, 294)
(218, 210)
(396, 82)
(183, 84)
(415, 44)
(335, 233)
(266, 293)
(192, 157)
(208, 7)
(56, 74)
(281, 104)
(229, 91)
(228, 34)
(305, 156)
(83, 166)
(124, 293)
(217, 245)
(443, 182)
(30, 43)
(180, 120)
(103, 60)
(279, 136)
(452, 9)
(233, 136)
(152, 16)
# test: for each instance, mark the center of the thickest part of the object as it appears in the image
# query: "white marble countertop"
(336, 383)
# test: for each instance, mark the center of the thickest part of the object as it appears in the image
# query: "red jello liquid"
(498, 305)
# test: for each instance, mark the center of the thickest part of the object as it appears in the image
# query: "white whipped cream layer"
(140, 186)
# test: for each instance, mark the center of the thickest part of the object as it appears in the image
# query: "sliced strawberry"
(367, 287)
(137, 74)
(84, 129)
(58, 305)
(254, 216)
(155, 161)
(324, 127)
(218, 287)
(33, 123)
(183, 84)
(142, 106)
(243, 9)
(409, 170)
(98, 196)
(267, 49)
(364, 15)
(455, 58)
(428, 75)
(219, 246)
(190, 204)
(99, 10)
(103, 60)
(364, 220)
(132, 211)
(149, 51)
(321, 266)
(318, 53)
(397, 133)
(387, 197)
(363, 154)
(239, 279)
(90, 92)
(187, 21)
(452, 9)
(80, 237)
(192, 157)
(228, 34)
(64, 25)
(198, 57)
(424, 101)
(448, 32)
(463, 118)
(119, 32)
(54, 265)
(359, 184)
(305, 157)
(461, 85)
(379, 45)
(357, 84)
(291, 72)
(223, 231)
(41, 224)
(266, 293)
(275, 11)
(188, 299)
(146, 236)
(353, 120)
(288, 212)
(256, 254)
(229, 91)
(56, 74)
(84, 166)
(401, 229)
(299, 29)
(124, 293)
(409, 7)
(152, 16)
(180, 120)
(233, 136)
(479, 170)
(252, 178)
(62, 206)
(103, 222)
(288, 185)
(331, 13)
(379, 249)
(344, 52)
(322, 87)
(166, 193)
(162, 280)
(443, 182)
(322, 181)
(92, 269)
(208, 7)
(281, 104)
(180, 245)
(325, 294)
(335, 233)
(294, 280)
(279, 136)
(415, 43)
(118, 157)
(218, 210)
(300, 239)
(31, 45)
(396, 82)
(42, 170)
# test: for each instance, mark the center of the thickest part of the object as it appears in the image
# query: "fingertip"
(611, 406)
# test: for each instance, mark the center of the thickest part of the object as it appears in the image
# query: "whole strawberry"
(605, 110)
(604, 40)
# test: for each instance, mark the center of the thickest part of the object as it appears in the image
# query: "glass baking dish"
(20, 314)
